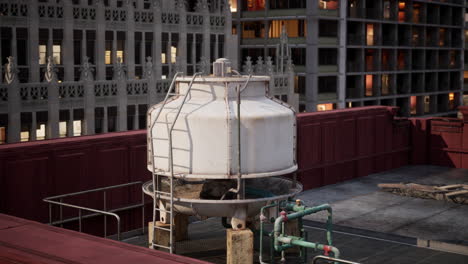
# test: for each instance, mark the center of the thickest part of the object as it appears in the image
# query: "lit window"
(108, 57)
(369, 85)
(77, 128)
(63, 129)
(41, 132)
(2, 135)
(57, 49)
(120, 55)
(324, 107)
(163, 58)
(233, 4)
(42, 54)
(173, 54)
(24, 136)
(413, 101)
(328, 4)
(370, 34)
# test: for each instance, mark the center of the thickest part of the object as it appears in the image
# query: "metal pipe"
(301, 212)
(298, 241)
(240, 187)
(79, 219)
(143, 212)
(262, 220)
(105, 216)
(88, 209)
(93, 190)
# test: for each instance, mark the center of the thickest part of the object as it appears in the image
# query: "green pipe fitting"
(299, 214)
(299, 241)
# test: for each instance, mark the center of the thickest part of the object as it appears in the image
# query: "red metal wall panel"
(343, 144)
(31, 171)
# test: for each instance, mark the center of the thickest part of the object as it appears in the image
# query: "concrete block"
(239, 246)
(162, 236)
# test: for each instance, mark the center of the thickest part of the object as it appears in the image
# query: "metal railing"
(335, 260)
(96, 212)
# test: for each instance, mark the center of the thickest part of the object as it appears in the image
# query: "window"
(328, 4)
(370, 35)
(295, 28)
(325, 107)
(253, 5)
(255, 29)
(42, 54)
(233, 4)
(56, 54)
(369, 85)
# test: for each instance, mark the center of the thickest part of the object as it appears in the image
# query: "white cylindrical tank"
(205, 135)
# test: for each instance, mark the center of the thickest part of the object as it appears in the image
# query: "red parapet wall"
(441, 141)
(344, 144)
(31, 171)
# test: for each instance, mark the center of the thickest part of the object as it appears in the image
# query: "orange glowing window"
(324, 107)
(369, 84)
(413, 101)
(401, 5)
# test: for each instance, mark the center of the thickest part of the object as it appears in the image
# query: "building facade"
(349, 53)
(81, 67)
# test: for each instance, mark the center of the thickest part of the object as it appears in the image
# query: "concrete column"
(105, 121)
(100, 41)
(341, 84)
(89, 108)
(311, 92)
(135, 120)
(70, 131)
(33, 132)
(52, 130)
(206, 34)
(67, 46)
(130, 41)
(182, 47)
(230, 40)
(143, 50)
(33, 42)
(122, 105)
(239, 246)
(14, 112)
(114, 47)
(157, 30)
(153, 96)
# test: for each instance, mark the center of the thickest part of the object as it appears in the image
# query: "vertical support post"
(79, 220)
(105, 121)
(105, 216)
(70, 132)
(14, 112)
(130, 39)
(67, 46)
(100, 40)
(89, 107)
(33, 42)
(33, 131)
(239, 246)
(341, 89)
(53, 110)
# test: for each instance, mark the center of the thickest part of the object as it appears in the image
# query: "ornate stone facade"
(79, 67)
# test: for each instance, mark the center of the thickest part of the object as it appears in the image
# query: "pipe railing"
(96, 212)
